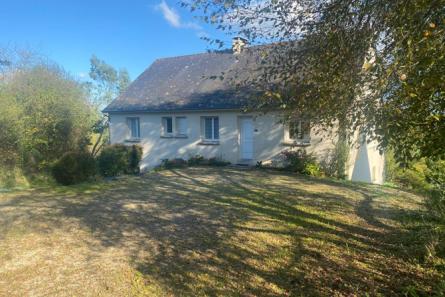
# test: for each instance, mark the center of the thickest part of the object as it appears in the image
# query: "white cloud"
(173, 18)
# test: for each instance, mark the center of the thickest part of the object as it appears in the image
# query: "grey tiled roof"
(191, 82)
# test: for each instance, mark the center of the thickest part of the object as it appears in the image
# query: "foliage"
(106, 84)
(174, 163)
(412, 176)
(119, 159)
(302, 162)
(436, 178)
(73, 168)
(44, 114)
(217, 162)
(392, 50)
(334, 165)
(196, 160)
(135, 156)
(10, 128)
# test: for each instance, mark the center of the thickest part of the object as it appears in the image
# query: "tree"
(44, 114)
(373, 65)
(107, 84)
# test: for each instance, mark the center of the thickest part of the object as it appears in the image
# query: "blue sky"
(130, 34)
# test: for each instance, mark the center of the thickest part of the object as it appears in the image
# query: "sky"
(126, 34)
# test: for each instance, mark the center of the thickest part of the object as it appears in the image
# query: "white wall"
(268, 137)
(364, 163)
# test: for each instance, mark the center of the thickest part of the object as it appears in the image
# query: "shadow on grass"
(237, 233)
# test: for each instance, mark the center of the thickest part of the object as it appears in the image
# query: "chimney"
(238, 44)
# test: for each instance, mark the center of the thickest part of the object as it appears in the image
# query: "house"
(185, 106)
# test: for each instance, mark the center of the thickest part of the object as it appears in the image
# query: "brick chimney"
(238, 44)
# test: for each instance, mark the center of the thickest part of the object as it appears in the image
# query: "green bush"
(335, 164)
(302, 162)
(119, 159)
(217, 162)
(435, 176)
(73, 168)
(135, 157)
(174, 163)
(196, 160)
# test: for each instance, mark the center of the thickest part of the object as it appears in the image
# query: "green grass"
(217, 232)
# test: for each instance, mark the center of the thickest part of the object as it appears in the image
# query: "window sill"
(133, 140)
(209, 142)
(296, 143)
(181, 136)
(174, 136)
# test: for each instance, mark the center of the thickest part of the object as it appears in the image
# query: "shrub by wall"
(435, 176)
(73, 168)
(135, 156)
(334, 165)
(119, 159)
(302, 162)
(196, 160)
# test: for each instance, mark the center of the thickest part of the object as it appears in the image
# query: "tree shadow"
(227, 232)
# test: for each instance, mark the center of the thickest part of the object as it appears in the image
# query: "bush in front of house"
(196, 160)
(73, 168)
(119, 159)
(135, 156)
(217, 162)
(173, 163)
(302, 162)
(334, 165)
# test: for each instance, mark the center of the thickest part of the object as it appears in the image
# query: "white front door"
(246, 138)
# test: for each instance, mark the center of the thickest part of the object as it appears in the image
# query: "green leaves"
(320, 64)
(107, 83)
(44, 114)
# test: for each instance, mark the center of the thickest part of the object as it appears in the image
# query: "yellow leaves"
(366, 66)
(426, 33)
(274, 95)
(432, 25)
(412, 95)
(435, 117)
(403, 76)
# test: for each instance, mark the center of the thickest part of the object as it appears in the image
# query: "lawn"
(213, 232)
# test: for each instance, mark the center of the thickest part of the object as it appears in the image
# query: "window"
(167, 125)
(299, 130)
(181, 126)
(133, 125)
(211, 128)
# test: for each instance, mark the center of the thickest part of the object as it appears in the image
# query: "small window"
(133, 125)
(167, 125)
(211, 128)
(181, 126)
(299, 130)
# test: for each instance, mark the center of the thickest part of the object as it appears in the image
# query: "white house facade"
(173, 110)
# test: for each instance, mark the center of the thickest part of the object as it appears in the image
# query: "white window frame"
(203, 121)
(177, 121)
(165, 126)
(138, 127)
(305, 135)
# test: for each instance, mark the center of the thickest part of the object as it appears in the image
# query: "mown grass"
(216, 232)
